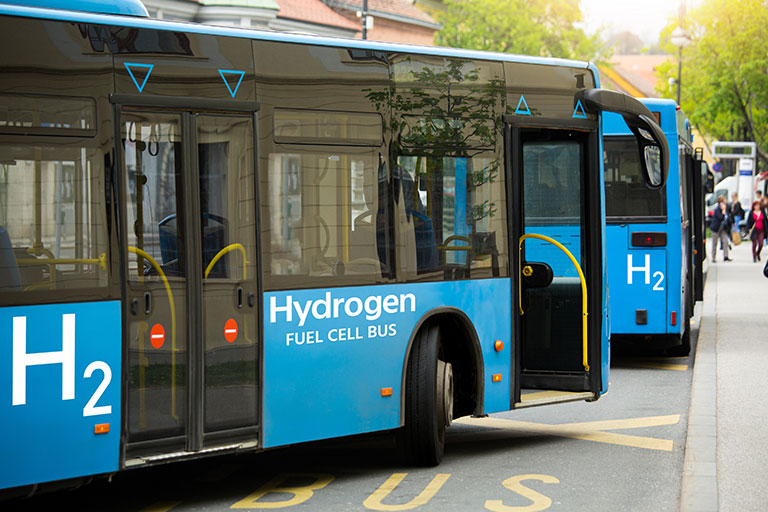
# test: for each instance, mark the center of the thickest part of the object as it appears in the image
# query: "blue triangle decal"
(133, 67)
(232, 73)
(522, 107)
(579, 112)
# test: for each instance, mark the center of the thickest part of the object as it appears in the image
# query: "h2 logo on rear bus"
(645, 271)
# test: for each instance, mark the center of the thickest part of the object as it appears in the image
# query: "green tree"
(545, 28)
(725, 70)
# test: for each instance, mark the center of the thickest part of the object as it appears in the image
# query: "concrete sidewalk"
(726, 453)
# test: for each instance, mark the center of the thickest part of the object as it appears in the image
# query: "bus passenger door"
(557, 235)
(191, 280)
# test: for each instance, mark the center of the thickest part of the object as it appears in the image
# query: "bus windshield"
(626, 195)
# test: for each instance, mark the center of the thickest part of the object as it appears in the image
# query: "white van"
(725, 187)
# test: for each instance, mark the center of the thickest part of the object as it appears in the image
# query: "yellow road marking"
(658, 366)
(588, 431)
(374, 501)
(540, 502)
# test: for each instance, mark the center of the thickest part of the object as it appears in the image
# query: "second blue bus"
(654, 238)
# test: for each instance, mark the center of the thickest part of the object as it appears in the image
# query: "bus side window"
(54, 220)
(9, 270)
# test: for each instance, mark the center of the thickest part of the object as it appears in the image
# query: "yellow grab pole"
(584, 309)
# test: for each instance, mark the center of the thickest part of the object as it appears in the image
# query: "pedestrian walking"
(721, 229)
(737, 211)
(757, 225)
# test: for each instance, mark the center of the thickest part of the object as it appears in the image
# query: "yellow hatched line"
(588, 431)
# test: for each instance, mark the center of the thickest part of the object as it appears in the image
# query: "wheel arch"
(464, 353)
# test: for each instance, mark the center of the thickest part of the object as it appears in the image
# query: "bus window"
(53, 214)
(325, 218)
(153, 174)
(451, 210)
(626, 195)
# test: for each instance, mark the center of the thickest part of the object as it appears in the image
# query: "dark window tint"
(451, 217)
(53, 226)
(552, 182)
(152, 146)
(325, 222)
(626, 195)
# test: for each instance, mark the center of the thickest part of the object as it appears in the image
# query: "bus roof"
(122, 7)
(98, 17)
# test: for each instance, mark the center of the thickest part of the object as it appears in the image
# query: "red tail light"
(649, 239)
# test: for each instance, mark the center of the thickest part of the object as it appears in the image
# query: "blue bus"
(654, 237)
(216, 240)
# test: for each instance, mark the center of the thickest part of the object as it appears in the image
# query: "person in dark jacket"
(757, 225)
(721, 228)
(737, 212)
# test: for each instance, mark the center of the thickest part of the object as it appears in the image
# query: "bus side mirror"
(654, 156)
(651, 141)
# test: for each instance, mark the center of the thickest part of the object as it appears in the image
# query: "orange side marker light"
(496, 377)
(101, 428)
(499, 345)
(386, 391)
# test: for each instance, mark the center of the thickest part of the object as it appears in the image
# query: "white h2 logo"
(65, 357)
(645, 269)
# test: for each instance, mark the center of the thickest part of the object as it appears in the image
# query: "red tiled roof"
(403, 8)
(313, 11)
(639, 70)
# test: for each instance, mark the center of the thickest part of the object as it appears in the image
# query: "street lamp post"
(681, 39)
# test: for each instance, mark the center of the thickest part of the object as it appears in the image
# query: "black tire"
(428, 400)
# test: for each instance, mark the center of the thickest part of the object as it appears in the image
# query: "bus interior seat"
(10, 279)
(214, 232)
(167, 229)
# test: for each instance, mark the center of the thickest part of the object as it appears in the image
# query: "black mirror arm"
(636, 115)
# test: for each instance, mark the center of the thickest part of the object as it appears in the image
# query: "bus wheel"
(428, 400)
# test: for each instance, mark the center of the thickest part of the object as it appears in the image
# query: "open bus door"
(555, 202)
(700, 174)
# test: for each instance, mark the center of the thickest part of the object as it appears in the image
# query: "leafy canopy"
(725, 70)
(545, 28)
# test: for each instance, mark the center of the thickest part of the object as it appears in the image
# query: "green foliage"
(725, 69)
(545, 28)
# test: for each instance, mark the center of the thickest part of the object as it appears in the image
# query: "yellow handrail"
(159, 269)
(584, 303)
(51, 260)
(100, 261)
(225, 250)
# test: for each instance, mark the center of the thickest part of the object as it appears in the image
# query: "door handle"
(239, 297)
(147, 302)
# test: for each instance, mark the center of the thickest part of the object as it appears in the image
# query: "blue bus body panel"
(605, 337)
(637, 277)
(327, 361)
(569, 235)
(648, 278)
(60, 377)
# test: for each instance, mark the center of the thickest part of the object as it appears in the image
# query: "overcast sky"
(645, 18)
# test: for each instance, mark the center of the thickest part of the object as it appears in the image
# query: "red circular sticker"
(157, 336)
(230, 330)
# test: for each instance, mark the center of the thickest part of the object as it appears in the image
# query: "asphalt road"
(621, 453)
